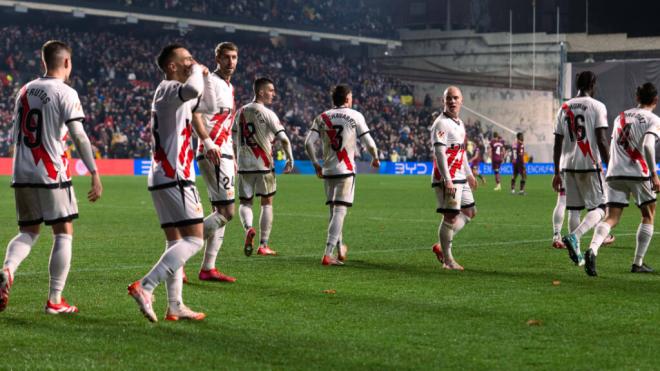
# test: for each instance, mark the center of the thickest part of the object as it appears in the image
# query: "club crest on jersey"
(441, 134)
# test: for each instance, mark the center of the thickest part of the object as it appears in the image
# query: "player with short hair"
(186, 89)
(518, 149)
(218, 168)
(255, 129)
(338, 129)
(631, 172)
(46, 111)
(452, 179)
(497, 153)
(580, 143)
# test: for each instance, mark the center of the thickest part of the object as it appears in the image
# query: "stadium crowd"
(342, 16)
(116, 84)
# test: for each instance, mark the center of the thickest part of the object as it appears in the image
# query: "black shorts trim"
(617, 205)
(635, 178)
(578, 208)
(468, 206)
(27, 223)
(226, 157)
(181, 183)
(266, 195)
(363, 134)
(451, 211)
(646, 203)
(81, 119)
(255, 171)
(223, 202)
(338, 176)
(245, 198)
(601, 206)
(340, 203)
(581, 170)
(46, 186)
(183, 223)
(61, 220)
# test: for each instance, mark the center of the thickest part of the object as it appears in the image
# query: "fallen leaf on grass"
(329, 291)
(534, 322)
(556, 283)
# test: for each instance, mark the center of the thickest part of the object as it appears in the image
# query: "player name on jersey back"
(339, 129)
(450, 135)
(256, 127)
(219, 124)
(171, 127)
(43, 108)
(577, 121)
(626, 149)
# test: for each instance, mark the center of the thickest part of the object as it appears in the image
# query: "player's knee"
(471, 212)
(227, 212)
(267, 200)
(27, 238)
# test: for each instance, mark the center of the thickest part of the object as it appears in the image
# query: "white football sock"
(558, 215)
(171, 260)
(573, 220)
(213, 244)
(174, 283)
(644, 234)
(58, 267)
(245, 213)
(265, 223)
(335, 228)
(590, 220)
(461, 221)
(446, 236)
(18, 249)
(212, 222)
(600, 233)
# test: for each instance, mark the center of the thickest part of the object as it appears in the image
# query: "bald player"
(46, 111)
(452, 179)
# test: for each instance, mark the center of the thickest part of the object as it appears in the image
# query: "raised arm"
(194, 86)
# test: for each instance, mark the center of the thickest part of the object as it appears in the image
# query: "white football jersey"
(577, 121)
(339, 129)
(219, 124)
(171, 127)
(256, 127)
(43, 107)
(626, 150)
(450, 134)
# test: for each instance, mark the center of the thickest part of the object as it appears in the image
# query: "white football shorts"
(48, 205)
(256, 184)
(178, 206)
(462, 198)
(619, 192)
(339, 191)
(584, 190)
(219, 180)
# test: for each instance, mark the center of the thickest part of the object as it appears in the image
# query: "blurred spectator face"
(453, 101)
(227, 61)
(266, 94)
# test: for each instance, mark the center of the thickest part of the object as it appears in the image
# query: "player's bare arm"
(84, 148)
(211, 150)
(441, 159)
(310, 149)
(556, 157)
(468, 173)
(649, 157)
(603, 144)
(369, 142)
(286, 145)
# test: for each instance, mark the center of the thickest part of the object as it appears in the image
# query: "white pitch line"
(285, 257)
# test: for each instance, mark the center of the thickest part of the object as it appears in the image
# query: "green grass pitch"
(394, 308)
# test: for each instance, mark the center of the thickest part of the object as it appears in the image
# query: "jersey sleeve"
(438, 135)
(362, 128)
(559, 121)
(274, 123)
(654, 127)
(601, 116)
(71, 107)
(316, 125)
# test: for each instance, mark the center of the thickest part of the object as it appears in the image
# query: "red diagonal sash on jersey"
(584, 145)
(454, 160)
(186, 153)
(256, 150)
(634, 154)
(39, 153)
(342, 155)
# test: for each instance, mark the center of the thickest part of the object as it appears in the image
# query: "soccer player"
(452, 179)
(476, 159)
(631, 172)
(497, 152)
(219, 177)
(580, 143)
(46, 110)
(171, 178)
(338, 129)
(519, 164)
(255, 129)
